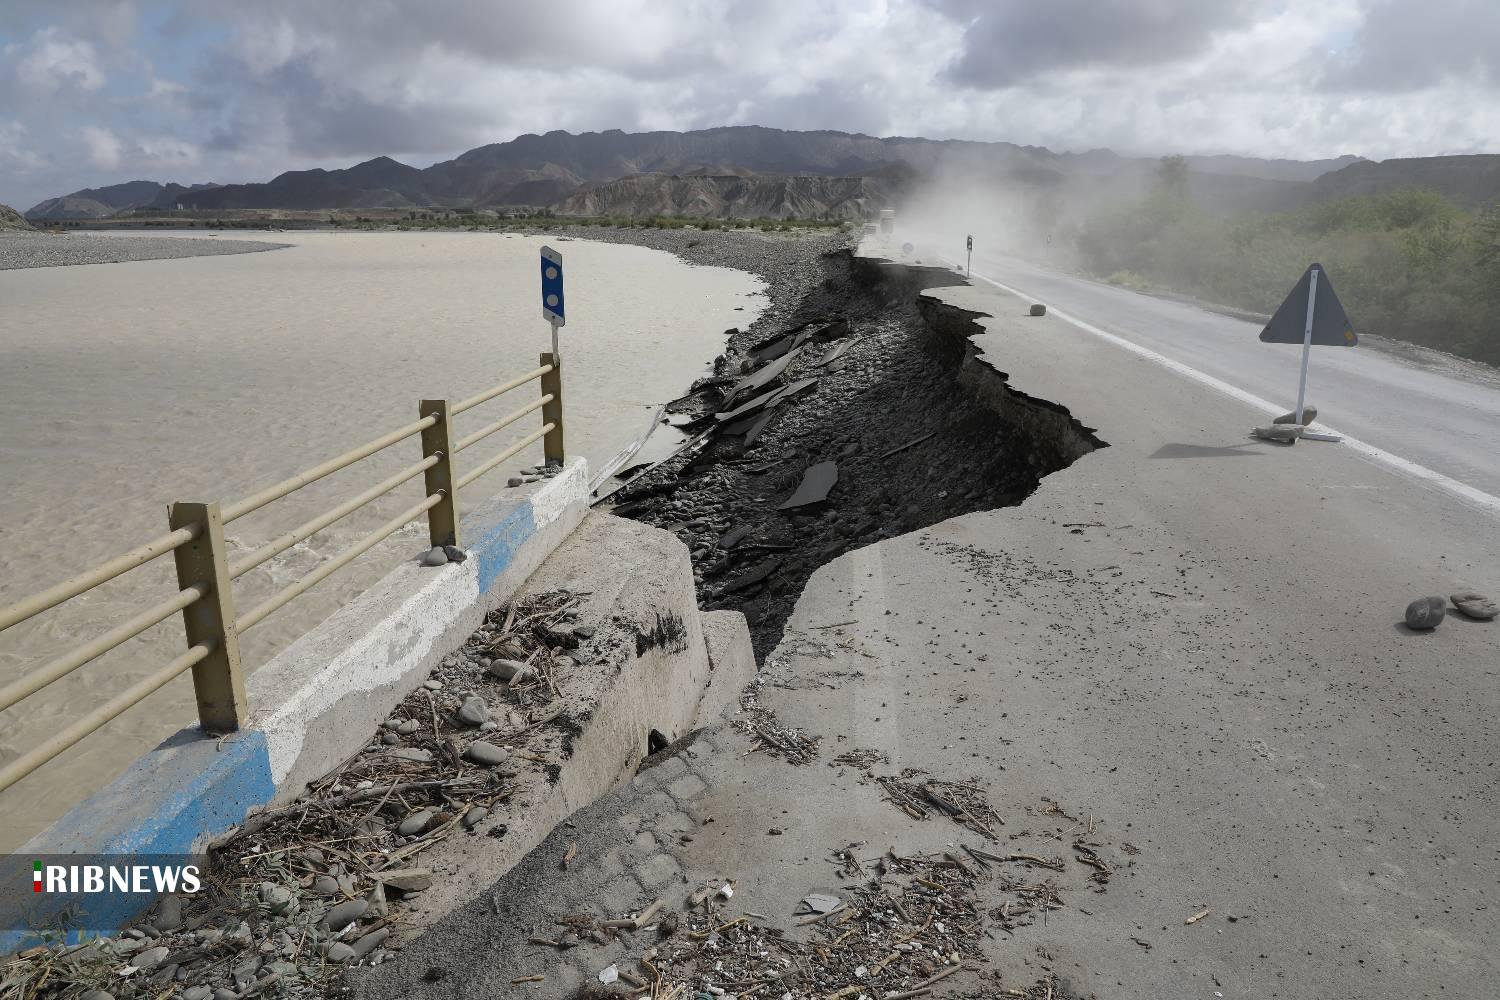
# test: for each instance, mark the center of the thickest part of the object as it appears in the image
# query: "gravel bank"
(791, 264)
(18, 250)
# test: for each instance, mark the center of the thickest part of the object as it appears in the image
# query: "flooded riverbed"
(126, 386)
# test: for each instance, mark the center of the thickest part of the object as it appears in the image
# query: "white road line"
(1462, 491)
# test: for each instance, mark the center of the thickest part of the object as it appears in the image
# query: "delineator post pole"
(1312, 298)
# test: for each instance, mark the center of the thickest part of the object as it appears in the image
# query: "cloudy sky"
(94, 92)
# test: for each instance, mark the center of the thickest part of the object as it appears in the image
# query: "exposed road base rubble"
(859, 418)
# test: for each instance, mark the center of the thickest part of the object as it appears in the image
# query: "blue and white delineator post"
(553, 305)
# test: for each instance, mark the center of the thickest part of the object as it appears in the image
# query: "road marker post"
(554, 312)
(969, 261)
(1310, 314)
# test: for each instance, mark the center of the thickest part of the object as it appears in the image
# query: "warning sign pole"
(1312, 298)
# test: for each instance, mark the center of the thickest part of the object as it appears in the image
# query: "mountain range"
(755, 171)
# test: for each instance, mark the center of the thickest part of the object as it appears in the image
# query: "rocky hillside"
(545, 170)
(780, 172)
(1472, 181)
(101, 203)
(733, 196)
(11, 220)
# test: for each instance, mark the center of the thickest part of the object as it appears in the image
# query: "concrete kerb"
(655, 664)
(317, 701)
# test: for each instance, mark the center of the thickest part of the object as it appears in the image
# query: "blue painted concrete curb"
(193, 788)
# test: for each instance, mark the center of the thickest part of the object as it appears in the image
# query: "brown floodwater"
(124, 387)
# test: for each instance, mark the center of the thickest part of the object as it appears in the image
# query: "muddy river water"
(126, 386)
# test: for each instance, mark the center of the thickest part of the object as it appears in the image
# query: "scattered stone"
(1425, 612)
(344, 914)
(416, 755)
(379, 905)
(1037, 309)
(455, 554)
(406, 880)
(408, 727)
(370, 942)
(390, 739)
(416, 823)
(435, 557)
(244, 973)
(168, 913)
(97, 995)
(609, 975)
(582, 632)
(486, 754)
(338, 951)
(197, 993)
(507, 670)
(514, 481)
(473, 711)
(1309, 414)
(1475, 606)
(433, 685)
(474, 817)
(278, 899)
(150, 958)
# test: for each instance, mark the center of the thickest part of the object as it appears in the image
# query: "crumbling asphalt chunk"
(763, 377)
(816, 484)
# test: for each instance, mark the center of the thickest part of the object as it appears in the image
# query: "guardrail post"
(217, 678)
(442, 520)
(552, 412)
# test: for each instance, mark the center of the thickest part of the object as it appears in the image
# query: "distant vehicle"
(887, 221)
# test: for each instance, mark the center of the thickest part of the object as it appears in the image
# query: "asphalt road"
(1432, 409)
(1185, 648)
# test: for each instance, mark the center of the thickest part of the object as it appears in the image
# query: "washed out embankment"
(882, 418)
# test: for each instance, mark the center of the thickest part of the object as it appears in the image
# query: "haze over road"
(1431, 409)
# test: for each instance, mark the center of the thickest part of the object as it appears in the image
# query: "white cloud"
(16, 153)
(104, 147)
(167, 152)
(229, 90)
(52, 61)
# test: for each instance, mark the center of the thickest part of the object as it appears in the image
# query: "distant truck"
(887, 221)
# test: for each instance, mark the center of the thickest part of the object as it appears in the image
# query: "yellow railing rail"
(204, 595)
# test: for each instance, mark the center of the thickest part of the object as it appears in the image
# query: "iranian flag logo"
(36, 876)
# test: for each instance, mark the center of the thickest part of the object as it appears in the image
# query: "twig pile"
(795, 746)
(963, 802)
(912, 925)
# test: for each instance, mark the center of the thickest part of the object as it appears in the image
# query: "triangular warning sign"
(1330, 326)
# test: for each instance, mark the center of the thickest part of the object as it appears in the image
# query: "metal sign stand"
(969, 261)
(1312, 298)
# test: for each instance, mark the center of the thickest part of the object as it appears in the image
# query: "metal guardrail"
(204, 576)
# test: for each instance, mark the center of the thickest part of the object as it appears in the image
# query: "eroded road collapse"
(866, 416)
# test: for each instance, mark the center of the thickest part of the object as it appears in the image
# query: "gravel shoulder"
(22, 250)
